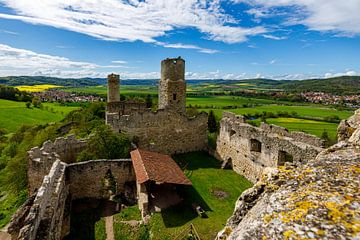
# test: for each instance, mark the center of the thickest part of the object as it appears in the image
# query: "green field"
(14, 114)
(315, 127)
(207, 178)
(309, 126)
(302, 111)
(125, 90)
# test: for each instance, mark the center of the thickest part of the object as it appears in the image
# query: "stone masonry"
(54, 184)
(168, 130)
(319, 199)
(248, 149)
(172, 85)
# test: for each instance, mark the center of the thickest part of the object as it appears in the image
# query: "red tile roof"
(157, 167)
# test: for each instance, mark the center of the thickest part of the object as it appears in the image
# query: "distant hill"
(338, 85)
(35, 80)
(346, 85)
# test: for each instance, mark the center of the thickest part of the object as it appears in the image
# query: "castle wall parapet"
(249, 149)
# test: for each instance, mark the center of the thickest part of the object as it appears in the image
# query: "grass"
(205, 173)
(309, 126)
(226, 101)
(100, 231)
(9, 202)
(124, 89)
(14, 114)
(37, 88)
(302, 111)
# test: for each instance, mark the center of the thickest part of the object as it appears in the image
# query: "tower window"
(174, 96)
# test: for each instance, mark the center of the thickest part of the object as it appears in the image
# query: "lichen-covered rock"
(347, 127)
(319, 200)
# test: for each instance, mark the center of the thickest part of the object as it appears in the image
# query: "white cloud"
(337, 16)
(188, 46)
(347, 73)
(272, 61)
(119, 62)
(15, 61)
(9, 32)
(273, 37)
(132, 20)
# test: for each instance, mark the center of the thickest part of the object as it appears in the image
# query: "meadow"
(14, 114)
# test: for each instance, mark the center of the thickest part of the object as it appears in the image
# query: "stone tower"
(113, 94)
(172, 86)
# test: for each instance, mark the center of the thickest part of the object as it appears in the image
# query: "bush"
(105, 144)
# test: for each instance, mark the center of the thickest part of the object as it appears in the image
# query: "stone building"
(168, 130)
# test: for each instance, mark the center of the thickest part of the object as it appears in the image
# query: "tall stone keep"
(113, 94)
(172, 86)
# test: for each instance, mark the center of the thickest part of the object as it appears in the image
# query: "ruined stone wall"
(86, 179)
(250, 149)
(41, 159)
(41, 217)
(125, 107)
(317, 200)
(172, 85)
(163, 131)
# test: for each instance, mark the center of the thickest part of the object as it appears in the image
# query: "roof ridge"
(143, 165)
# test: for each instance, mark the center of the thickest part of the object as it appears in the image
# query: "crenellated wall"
(163, 131)
(249, 149)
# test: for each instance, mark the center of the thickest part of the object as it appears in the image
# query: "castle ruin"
(57, 184)
(248, 150)
(168, 130)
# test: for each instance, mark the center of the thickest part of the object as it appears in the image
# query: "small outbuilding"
(157, 180)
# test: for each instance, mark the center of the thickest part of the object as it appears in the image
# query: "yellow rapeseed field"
(37, 88)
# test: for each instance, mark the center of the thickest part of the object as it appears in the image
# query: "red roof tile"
(157, 167)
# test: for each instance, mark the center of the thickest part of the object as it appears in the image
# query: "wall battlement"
(249, 149)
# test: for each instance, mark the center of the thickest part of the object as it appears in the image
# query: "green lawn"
(208, 179)
(309, 126)
(302, 111)
(225, 101)
(100, 231)
(14, 114)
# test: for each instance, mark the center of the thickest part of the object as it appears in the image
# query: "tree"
(36, 102)
(148, 101)
(212, 124)
(28, 104)
(326, 138)
(106, 144)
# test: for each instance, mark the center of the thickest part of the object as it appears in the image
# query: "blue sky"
(231, 39)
